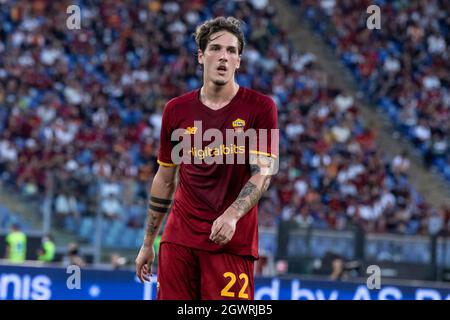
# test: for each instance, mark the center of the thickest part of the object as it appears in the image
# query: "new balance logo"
(190, 130)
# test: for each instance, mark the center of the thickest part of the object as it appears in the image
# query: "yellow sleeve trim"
(263, 153)
(165, 164)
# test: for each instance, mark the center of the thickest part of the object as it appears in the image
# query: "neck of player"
(215, 96)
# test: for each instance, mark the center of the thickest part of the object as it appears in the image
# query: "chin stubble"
(219, 82)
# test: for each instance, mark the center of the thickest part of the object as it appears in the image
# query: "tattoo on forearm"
(250, 195)
(254, 196)
(157, 207)
(152, 225)
(254, 169)
(250, 190)
(240, 205)
(266, 183)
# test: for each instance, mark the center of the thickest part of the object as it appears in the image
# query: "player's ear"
(200, 56)
(238, 62)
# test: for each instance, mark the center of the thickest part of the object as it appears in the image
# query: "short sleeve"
(165, 143)
(266, 126)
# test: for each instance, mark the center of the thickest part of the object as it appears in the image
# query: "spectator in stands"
(136, 214)
(111, 207)
(304, 219)
(110, 187)
(66, 205)
(412, 48)
(118, 262)
(337, 267)
(438, 149)
(8, 152)
(73, 256)
(401, 163)
(436, 222)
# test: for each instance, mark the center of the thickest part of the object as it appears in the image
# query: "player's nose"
(223, 55)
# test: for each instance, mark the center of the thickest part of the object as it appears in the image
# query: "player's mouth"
(222, 69)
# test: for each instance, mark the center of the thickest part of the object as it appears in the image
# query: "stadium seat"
(86, 231)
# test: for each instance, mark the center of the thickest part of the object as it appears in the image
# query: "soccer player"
(210, 241)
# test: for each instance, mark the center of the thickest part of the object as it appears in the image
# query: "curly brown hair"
(232, 25)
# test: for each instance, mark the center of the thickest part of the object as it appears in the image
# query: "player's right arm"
(159, 202)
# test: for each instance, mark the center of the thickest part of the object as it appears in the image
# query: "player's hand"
(224, 227)
(144, 262)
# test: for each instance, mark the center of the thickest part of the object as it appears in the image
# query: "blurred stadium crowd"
(80, 110)
(404, 66)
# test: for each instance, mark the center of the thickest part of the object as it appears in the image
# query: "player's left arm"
(263, 165)
(262, 169)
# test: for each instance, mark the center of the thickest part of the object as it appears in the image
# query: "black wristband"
(160, 201)
(158, 209)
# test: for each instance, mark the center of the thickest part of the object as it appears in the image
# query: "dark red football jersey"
(206, 190)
